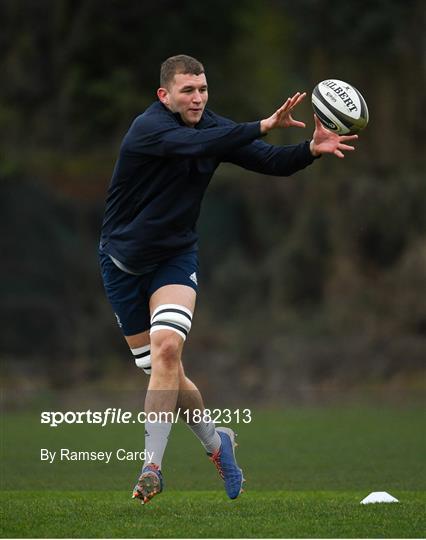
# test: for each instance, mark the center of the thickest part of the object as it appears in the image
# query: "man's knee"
(166, 349)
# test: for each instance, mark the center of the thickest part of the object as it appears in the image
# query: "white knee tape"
(172, 317)
(142, 356)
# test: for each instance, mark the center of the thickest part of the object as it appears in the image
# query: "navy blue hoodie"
(162, 172)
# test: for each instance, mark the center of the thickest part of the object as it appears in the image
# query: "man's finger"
(301, 97)
(297, 123)
(283, 106)
(296, 99)
(346, 147)
(348, 137)
(317, 122)
(339, 154)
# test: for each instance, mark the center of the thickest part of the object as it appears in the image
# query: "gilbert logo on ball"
(340, 107)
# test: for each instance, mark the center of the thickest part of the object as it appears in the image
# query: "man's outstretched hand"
(282, 117)
(326, 142)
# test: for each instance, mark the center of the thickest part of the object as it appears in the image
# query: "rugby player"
(148, 246)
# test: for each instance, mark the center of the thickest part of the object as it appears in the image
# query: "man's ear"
(163, 95)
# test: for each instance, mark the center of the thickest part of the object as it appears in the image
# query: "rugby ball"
(340, 107)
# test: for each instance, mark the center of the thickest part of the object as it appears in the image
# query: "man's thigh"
(181, 295)
(176, 295)
(138, 340)
(172, 294)
(135, 299)
(128, 296)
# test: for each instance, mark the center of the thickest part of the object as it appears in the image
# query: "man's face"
(187, 95)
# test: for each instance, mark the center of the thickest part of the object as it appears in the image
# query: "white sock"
(156, 438)
(207, 434)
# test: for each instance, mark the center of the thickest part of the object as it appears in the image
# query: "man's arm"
(161, 135)
(272, 160)
(168, 138)
(286, 160)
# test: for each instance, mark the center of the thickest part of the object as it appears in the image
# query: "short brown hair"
(180, 63)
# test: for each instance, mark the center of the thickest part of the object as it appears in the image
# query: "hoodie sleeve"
(162, 136)
(270, 159)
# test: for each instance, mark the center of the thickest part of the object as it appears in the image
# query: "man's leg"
(168, 305)
(156, 433)
(189, 397)
(219, 443)
(170, 387)
(189, 400)
(141, 350)
(171, 308)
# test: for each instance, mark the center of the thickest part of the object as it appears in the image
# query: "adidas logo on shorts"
(193, 277)
(118, 320)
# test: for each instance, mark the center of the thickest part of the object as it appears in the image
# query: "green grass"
(307, 470)
(207, 514)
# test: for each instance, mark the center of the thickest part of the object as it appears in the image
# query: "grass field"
(307, 470)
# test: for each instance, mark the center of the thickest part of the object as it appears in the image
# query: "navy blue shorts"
(129, 294)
